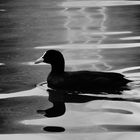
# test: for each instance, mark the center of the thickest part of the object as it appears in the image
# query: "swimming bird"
(81, 81)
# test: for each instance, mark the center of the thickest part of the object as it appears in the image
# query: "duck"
(80, 81)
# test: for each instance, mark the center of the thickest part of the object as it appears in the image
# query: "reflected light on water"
(129, 69)
(2, 64)
(79, 21)
(131, 38)
(90, 38)
(33, 92)
(28, 137)
(91, 46)
(98, 3)
(80, 118)
(2, 10)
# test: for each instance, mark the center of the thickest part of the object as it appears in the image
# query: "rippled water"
(92, 35)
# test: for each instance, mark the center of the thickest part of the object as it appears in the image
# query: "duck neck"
(57, 68)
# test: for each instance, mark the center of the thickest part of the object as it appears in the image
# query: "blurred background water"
(92, 35)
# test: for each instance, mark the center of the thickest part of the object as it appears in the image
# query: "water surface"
(97, 36)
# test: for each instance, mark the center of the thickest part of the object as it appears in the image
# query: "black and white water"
(92, 35)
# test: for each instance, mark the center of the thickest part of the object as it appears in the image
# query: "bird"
(80, 81)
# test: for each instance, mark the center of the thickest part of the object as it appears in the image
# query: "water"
(92, 35)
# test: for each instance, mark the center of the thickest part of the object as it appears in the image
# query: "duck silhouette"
(80, 81)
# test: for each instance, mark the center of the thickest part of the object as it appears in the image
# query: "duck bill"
(39, 60)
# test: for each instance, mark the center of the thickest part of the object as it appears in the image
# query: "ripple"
(73, 4)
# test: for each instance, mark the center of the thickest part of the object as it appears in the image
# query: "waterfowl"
(82, 81)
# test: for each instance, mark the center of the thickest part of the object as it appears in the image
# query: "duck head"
(53, 57)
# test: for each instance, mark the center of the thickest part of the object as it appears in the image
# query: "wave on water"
(131, 75)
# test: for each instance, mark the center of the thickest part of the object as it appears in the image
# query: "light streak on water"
(119, 45)
(33, 92)
(2, 10)
(128, 69)
(73, 4)
(28, 137)
(131, 38)
(109, 33)
(91, 46)
(2, 64)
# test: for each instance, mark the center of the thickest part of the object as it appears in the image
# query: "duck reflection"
(60, 97)
(58, 100)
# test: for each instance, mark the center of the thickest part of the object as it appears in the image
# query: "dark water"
(92, 35)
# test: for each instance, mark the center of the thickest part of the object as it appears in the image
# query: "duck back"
(86, 80)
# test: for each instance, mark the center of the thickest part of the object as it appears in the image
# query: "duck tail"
(126, 81)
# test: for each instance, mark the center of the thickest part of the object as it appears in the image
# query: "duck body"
(86, 81)
(82, 81)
